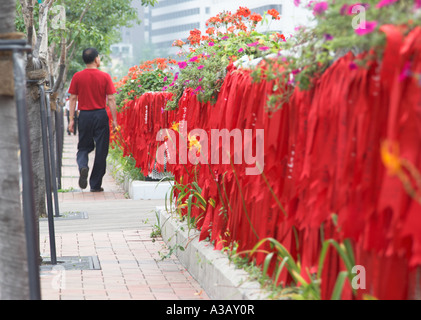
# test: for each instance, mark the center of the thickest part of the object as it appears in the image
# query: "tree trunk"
(13, 261)
(33, 105)
(37, 69)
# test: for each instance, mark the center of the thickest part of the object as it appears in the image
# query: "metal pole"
(28, 196)
(59, 141)
(52, 156)
(47, 169)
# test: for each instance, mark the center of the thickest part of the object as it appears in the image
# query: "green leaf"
(266, 263)
(339, 285)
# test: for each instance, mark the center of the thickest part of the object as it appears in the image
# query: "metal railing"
(18, 47)
(52, 154)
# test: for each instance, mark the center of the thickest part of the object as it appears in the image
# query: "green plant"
(229, 38)
(304, 57)
(156, 228)
(149, 76)
(171, 251)
(127, 163)
(307, 289)
(281, 259)
(242, 260)
(182, 198)
(71, 189)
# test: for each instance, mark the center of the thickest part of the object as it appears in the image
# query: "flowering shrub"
(341, 27)
(148, 76)
(297, 61)
(229, 37)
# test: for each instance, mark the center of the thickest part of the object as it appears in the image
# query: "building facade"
(173, 19)
(170, 20)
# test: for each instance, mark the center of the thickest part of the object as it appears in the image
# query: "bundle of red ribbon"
(321, 156)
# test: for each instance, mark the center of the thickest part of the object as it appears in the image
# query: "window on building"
(176, 15)
(166, 3)
(175, 29)
(115, 50)
(261, 10)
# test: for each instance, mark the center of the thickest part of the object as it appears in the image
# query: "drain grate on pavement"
(71, 263)
(69, 216)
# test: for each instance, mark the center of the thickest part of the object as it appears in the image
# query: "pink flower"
(164, 88)
(384, 3)
(347, 9)
(353, 66)
(165, 79)
(417, 4)
(328, 37)
(225, 38)
(197, 90)
(200, 67)
(406, 72)
(211, 44)
(254, 44)
(193, 59)
(367, 28)
(344, 9)
(320, 7)
(240, 50)
(264, 48)
(182, 64)
(297, 2)
(172, 84)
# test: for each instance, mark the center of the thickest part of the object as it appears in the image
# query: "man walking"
(92, 88)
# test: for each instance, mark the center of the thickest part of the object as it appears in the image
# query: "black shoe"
(97, 190)
(83, 178)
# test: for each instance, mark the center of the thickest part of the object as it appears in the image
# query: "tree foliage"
(89, 23)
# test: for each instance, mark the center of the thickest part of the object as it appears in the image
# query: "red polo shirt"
(92, 86)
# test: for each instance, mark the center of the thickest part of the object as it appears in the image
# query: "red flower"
(256, 17)
(210, 30)
(274, 13)
(213, 21)
(281, 36)
(178, 43)
(195, 36)
(243, 12)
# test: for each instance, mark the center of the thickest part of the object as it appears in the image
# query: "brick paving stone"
(130, 263)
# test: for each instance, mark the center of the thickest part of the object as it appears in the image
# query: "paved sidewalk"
(114, 233)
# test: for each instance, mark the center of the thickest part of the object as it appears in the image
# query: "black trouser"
(94, 133)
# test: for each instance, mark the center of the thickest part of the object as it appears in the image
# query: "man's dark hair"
(89, 55)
